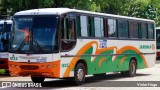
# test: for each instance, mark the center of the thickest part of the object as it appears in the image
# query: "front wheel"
(37, 79)
(79, 74)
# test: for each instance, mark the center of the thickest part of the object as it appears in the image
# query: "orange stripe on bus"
(81, 51)
(75, 59)
(100, 61)
(122, 60)
(131, 48)
(99, 51)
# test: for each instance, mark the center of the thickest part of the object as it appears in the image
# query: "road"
(111, 81)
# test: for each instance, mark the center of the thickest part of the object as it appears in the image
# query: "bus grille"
(29, 67)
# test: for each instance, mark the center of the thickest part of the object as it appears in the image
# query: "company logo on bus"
(152, 46)
(42, 59)
(13, 57)
(102, 43)
(29, 57)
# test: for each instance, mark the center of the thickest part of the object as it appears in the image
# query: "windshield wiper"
(35, 42)
(22, 44)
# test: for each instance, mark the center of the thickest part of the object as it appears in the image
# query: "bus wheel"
(37, 79)
(79, 74)
(132, 68)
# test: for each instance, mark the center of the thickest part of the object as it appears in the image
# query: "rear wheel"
(132, 69)
(37, 79)
(79, 74)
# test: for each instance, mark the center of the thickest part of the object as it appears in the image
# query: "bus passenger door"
(68, 42)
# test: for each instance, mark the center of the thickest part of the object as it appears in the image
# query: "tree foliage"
(148, 9)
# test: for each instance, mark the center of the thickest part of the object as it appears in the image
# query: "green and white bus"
(63, 42)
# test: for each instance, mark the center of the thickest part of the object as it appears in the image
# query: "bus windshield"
(1, 27)
(36, 34)
(5, 30)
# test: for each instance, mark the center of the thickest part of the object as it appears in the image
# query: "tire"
(79, 74)
(132, 69)
(37, 79)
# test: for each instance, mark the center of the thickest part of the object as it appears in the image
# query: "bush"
(2, 71)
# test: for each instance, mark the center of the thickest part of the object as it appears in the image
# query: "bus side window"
(112, 28)
(106, 27)
(143, 31)
(67, 34)
(150, 31)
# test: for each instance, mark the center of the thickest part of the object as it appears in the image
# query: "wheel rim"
(133, 69)
(80, 74)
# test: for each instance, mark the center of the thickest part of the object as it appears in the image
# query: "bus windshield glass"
(36, 34)
(5, 30)
(1, 27)
(8, 27)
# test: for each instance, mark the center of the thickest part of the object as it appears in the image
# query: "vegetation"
(2, 71)
(135, 8)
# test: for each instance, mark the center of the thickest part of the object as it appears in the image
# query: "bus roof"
(157, 27)
(59, 11)
(8, 21)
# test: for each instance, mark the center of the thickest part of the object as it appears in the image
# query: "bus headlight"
(11, 65)
(54, 65)
(49, 66)
(16, 66)
(43, 67)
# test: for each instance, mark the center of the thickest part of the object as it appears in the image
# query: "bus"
(71, 43)
(158, 42)
(5, 34)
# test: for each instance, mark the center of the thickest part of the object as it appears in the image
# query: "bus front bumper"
(47, 69)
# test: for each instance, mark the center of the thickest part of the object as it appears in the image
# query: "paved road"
(109, 82)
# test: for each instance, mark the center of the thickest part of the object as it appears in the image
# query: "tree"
(77, 4)
(4, 7)
(149, 9)
(143, 9)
